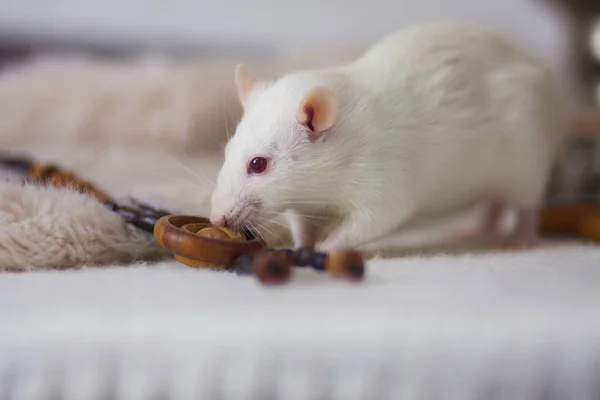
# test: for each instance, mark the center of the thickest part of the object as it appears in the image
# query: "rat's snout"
(220, 221)
(218, 216)
(222, 212)
(233, 216)
(232, 209)
(218, 210)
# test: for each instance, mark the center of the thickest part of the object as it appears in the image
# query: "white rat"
(431, 119)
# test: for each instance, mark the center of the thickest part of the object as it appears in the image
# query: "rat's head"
(277, 150)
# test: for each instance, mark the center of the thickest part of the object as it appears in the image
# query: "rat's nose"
(220, 221)
(224, 222)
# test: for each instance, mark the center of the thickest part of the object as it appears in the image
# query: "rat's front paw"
(335, 243)
(326, 246)
(517, 242)
(353, 233)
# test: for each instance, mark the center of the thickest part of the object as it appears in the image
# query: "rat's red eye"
(258, 165)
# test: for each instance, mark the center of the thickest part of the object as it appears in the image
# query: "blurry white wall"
(283, 24)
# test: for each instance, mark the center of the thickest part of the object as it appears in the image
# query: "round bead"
(302, 257)
(243, 264)
(589, 228)
(348, 264)
(272, 267)
(319, 260)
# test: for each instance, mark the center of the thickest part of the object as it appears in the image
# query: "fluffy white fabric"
(52, 228)
(439, 324)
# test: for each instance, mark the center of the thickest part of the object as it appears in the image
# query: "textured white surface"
(511, 326)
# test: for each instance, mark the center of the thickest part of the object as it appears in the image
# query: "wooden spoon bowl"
(195, 242)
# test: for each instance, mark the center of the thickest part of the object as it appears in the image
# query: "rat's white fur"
(432, 119)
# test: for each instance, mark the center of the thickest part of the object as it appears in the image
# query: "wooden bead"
(244, 264)
(565, 218)
(348, 264)
(272, 267)
(589, 228)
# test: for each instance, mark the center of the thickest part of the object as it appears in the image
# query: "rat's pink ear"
(244, 82)
(318, 111)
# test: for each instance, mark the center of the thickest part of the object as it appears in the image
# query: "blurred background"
(259, 28)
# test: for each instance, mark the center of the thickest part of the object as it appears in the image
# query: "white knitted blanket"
(495, 326)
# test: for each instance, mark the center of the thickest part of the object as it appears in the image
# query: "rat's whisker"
(178, 179)
(225, 118)
(315, 217)
(266, 220)
(255, 230)
(189, 170)
(304, 202)
(217, 142)
(262, 226)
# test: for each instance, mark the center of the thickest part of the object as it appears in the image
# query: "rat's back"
(432, 118)
(469, 114)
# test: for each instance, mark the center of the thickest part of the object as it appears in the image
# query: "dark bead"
(145, 223)
(143, 207)
(302, 257)
(19, 163)
(128, 213)
(111, 205)
(147, 209)
(287, 252)
(272, 267)
(275, 270)
(318, 261)
(347, 263)
(243, 264)
(156, 213)
(355, 270)
(143, 213)
(241, 271)
(49, 171)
